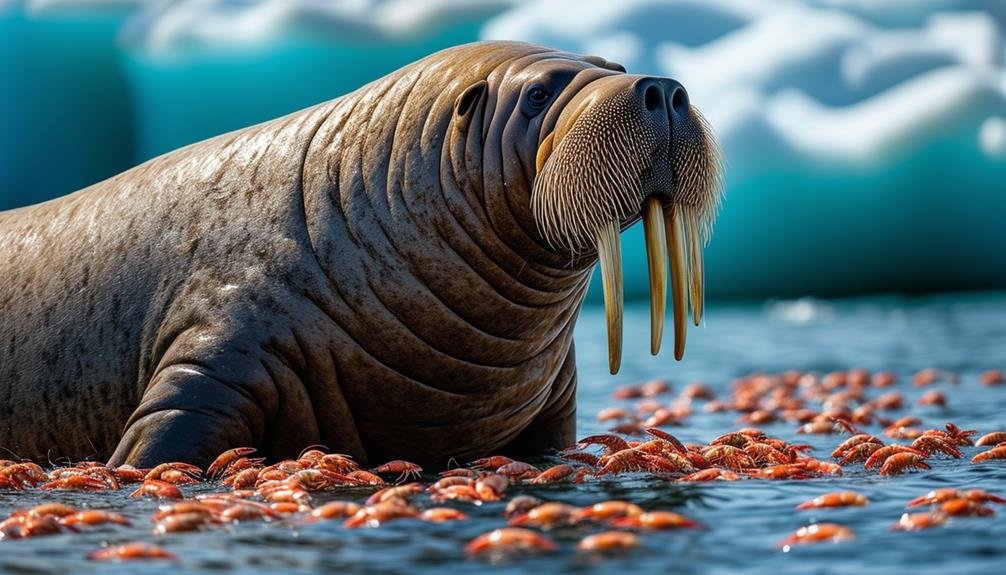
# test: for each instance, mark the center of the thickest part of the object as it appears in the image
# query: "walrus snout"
(663, 94)
(625, 148)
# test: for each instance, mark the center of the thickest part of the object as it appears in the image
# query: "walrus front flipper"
(188, 415)
(546, 434)
(555, 427)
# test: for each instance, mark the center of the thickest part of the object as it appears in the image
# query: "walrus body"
(365, 275)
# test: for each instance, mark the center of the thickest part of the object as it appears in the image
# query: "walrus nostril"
(652, 98)
(679, 100)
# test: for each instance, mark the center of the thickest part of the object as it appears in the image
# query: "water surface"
(745, 520)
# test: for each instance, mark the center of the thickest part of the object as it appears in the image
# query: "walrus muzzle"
(632, 147)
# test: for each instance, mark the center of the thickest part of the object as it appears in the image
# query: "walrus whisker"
(609, 252)
(698, 173)
(312, 446)
(679, 296)
(568, 213)
(655, 235)
(13, 454)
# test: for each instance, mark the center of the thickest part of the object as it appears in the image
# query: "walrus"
(391, 274)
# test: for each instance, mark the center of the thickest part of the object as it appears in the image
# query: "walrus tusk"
(679, 297)
(695, 271)
(656, 258)
(609, 252)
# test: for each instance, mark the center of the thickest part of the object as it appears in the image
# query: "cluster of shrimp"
(650, 411)
(313, 470)
(844, 402)
(618, 521)
(896, 458)
(58, 518)
(85, 476)
(944, 504)
(55, 518)
(285, 488)
(997, 441)
(747, 452)
(844, 398)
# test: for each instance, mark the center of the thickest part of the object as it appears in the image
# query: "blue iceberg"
(199, 68)
(63, 98)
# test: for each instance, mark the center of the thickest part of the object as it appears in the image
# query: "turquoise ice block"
(194, 92)
(65, 119)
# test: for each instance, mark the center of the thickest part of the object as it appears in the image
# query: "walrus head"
(630, 147)
(608, 148)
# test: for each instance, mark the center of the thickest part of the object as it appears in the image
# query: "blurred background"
(865, 139)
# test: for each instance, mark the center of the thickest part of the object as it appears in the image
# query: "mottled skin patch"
(364, 274)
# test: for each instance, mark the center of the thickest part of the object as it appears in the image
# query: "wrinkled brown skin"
(364, 274)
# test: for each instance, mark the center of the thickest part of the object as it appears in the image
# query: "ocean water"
(744, 520)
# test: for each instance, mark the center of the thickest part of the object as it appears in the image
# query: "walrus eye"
(538, 96)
